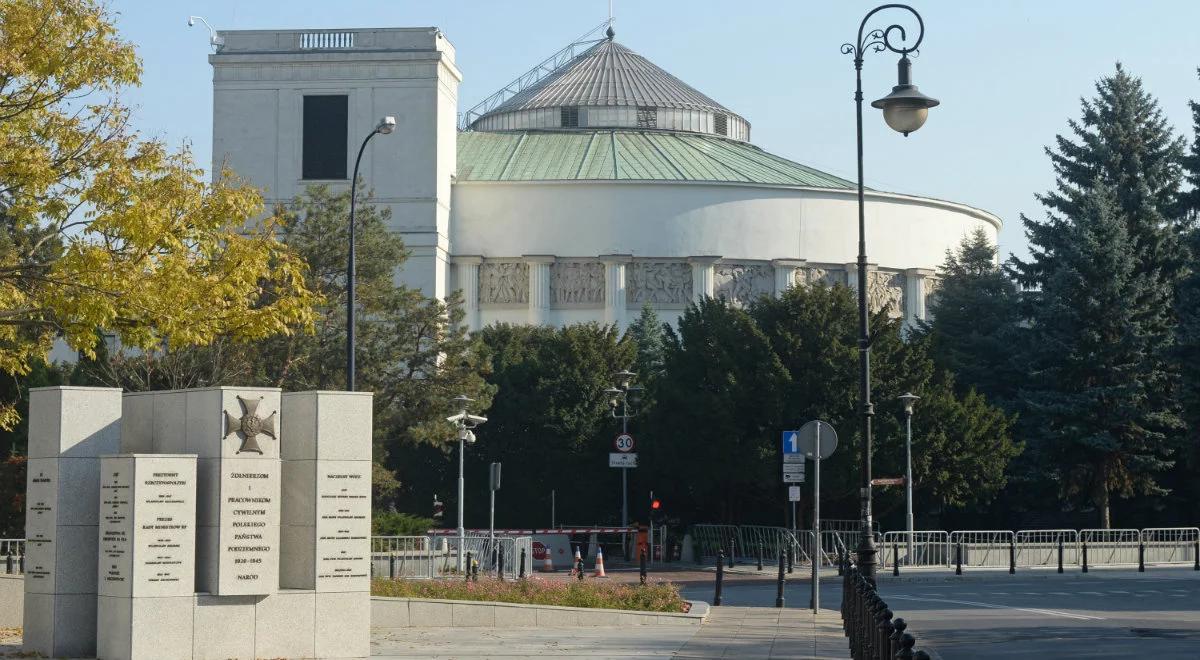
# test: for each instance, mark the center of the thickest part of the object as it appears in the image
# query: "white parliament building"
(593, 184)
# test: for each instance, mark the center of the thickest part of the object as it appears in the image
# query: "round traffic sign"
(808, 439)
(623, 443)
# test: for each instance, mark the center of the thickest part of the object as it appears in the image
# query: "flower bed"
(656, 596)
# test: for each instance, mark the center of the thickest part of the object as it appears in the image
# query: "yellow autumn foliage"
(101, 229)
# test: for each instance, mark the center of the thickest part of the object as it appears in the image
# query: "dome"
(611, 86)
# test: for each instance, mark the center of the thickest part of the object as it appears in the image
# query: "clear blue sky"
(1009, 73)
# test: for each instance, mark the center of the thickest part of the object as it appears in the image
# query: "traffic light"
(655, 505)
(439, 509)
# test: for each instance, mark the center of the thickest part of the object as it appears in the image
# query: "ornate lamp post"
(385, 127)
(904, 110)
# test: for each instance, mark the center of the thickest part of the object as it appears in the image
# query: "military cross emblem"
(250, 425)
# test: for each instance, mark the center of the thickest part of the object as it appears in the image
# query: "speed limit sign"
(623, 442)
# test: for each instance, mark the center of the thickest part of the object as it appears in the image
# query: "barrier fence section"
(11, 553)
(1171, 545)
(1110, 547)
(713, 538)
(1039, 547)
(402, 556)
(873, 630)
(773, 541)
(983, 548)
(425, 557)
(929, 548)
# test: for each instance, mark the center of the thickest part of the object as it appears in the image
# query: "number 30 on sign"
(623, 442)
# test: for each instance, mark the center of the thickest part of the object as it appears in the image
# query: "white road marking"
(1118, 592)
(1067, 615)
(1057, 593)
(1090, 593)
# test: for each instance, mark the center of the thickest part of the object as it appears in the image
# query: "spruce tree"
(649, 336)
(1123, 141)
(1092, 409)
(975, 319)
(1189, 200)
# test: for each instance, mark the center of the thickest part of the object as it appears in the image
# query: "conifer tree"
(975, 318)
(1092, 409)
(1123, 141)
(649, 336)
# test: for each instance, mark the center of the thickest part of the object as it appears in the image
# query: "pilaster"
(539, 287)
(702, 276)
(468, 282)
(914, 295)
(785, 273)
(614, 288)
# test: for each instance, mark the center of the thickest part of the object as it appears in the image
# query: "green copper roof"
(627, 155)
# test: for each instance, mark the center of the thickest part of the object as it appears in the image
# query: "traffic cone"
(599, 563)
(548, 562)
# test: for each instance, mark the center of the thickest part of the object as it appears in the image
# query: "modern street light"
(909, 399)
(463, 423)
(905, 110)
(385, 127)
(626, 397)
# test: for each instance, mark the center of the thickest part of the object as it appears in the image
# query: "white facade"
(563, 250)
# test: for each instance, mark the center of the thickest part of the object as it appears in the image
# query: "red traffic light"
(655, 505)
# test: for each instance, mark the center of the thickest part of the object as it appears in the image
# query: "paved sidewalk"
(730, 632)
(761, 632)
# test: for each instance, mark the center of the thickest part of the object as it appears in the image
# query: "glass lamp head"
(906, 108)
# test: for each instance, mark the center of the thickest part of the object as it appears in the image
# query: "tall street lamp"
(463, 422)
(625, 397)
(909, 399)
(385, 127)
(904, 110)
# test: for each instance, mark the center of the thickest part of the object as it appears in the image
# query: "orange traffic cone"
(548, 562)
(599, 563)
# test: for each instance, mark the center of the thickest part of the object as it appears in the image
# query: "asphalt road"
(1103, 614)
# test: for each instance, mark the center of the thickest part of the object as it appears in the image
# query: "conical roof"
(610, 74)
(609, 85)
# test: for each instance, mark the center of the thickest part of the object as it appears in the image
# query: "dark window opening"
(647, 117)
(570, 116)
(720, 125)
(325, 130)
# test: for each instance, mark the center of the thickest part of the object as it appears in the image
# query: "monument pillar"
(147, 563)
(69, 428)
(326, 534)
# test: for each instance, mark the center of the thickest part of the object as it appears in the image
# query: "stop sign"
(539, 550)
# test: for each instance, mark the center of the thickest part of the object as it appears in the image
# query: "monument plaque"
(343, 526)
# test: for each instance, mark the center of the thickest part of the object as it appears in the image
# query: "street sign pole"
(816, 544)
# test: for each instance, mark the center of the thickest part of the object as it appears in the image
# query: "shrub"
(394, 523)
(656, 596)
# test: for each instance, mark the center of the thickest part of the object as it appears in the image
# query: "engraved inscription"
(343, 525)
(249, 526)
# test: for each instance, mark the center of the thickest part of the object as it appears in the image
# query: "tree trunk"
(1102, 505)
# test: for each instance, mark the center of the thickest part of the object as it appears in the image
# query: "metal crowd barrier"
(1171, 545)
(868, 622)
(12, 556)
(982, 548)
(929, 548)
(1110, 547)
(711, 539)
(1040, 547)
(426, 557)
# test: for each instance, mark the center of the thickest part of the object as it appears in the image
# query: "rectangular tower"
(292, 107)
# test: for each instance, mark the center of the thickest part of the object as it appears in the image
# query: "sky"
(1009, 73)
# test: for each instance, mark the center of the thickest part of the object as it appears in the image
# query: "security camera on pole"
(463, 422)
(625, 397)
